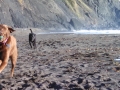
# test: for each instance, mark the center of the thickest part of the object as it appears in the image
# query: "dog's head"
(5, 32)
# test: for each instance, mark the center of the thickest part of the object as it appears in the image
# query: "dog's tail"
(31, 30)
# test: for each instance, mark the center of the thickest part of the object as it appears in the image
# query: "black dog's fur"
(32, 39)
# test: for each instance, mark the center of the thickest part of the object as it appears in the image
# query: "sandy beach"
(65, 62)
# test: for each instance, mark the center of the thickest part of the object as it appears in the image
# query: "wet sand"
(65, 62)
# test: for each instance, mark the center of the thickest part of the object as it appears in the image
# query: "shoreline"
(86, 32)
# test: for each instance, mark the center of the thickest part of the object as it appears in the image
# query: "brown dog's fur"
(8, 48)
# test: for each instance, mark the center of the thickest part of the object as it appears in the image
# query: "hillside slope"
(61, 14)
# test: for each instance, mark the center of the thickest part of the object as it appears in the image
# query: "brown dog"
(8, 48)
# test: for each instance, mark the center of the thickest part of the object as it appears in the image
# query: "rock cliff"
(61, 14)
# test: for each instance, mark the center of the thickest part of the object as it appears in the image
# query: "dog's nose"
(1, 33)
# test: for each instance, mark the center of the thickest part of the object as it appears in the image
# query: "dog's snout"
(1, 33)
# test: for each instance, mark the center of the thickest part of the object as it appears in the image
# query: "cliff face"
(61, 14)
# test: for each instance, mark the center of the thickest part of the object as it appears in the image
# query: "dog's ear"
(11, 29)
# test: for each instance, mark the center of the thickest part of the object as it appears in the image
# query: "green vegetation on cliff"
(76, 5)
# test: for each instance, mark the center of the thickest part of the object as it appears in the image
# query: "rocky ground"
(65, 62)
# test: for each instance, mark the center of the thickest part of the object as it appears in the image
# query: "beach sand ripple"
(65, 62)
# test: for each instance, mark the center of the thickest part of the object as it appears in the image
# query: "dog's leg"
(13, 61)
(30, 44)
(34, 44)
(4, 62)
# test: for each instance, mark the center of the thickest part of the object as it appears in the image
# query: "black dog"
(32, 39)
